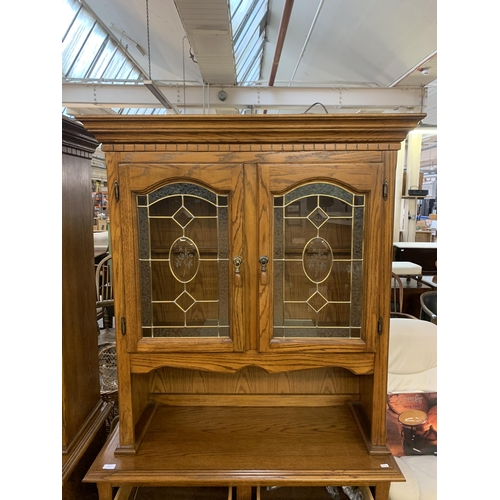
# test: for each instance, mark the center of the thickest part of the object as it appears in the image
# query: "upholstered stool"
(408, 270)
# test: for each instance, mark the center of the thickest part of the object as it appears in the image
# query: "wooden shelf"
(220, 446)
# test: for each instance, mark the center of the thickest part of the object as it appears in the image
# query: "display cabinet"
(252, 259)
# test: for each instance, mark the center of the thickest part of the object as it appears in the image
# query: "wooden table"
(423, 236)
(422, 253)
(245, 448)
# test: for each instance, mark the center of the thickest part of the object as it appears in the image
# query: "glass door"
(186, 260)
(319, 253)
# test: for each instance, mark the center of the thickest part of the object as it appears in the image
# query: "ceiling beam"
(86, 95)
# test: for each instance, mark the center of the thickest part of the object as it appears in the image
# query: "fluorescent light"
(209, 32)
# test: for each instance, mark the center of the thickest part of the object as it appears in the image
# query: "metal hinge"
(124, 326)
(380, 325)
(385, 189)
(116, 187)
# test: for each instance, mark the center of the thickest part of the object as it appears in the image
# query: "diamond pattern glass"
(183, 254)
(318, 262)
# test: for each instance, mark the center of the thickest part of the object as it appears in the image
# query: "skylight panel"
(69, 9)
(75, 40)
(114, 67)
(239, 10)
(89, 52)
(248, 21)
(252, 71)
(125, 70)
(109, 49)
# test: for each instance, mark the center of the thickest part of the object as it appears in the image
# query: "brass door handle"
(237, 261)
(264, 260)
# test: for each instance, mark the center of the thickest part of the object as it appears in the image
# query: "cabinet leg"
(382, 491)
(105, 491)
(123, 493)
(243, 493)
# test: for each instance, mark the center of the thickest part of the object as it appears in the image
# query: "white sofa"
(413, 368)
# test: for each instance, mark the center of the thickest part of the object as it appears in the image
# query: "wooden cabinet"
(83, 412)
(252, 287)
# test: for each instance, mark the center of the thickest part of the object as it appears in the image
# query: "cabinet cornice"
(254, 129)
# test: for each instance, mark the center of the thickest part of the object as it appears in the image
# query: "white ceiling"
(345, 55)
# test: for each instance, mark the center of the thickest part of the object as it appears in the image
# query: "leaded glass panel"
(183, 262)
(318, 262)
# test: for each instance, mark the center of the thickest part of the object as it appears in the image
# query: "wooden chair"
(104, 292)
(108, 377)
(107, 369)
(397, 291)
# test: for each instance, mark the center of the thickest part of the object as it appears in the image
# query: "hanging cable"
(184, 72)
(152, 87)
(149, 44)
(316, 103)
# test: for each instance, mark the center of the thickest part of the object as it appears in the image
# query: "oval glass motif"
(184, 259)
(317, 259)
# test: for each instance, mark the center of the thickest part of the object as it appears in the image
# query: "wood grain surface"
(222, 445)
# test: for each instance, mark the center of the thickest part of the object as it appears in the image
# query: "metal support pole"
(398, 202)
(412, 180)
